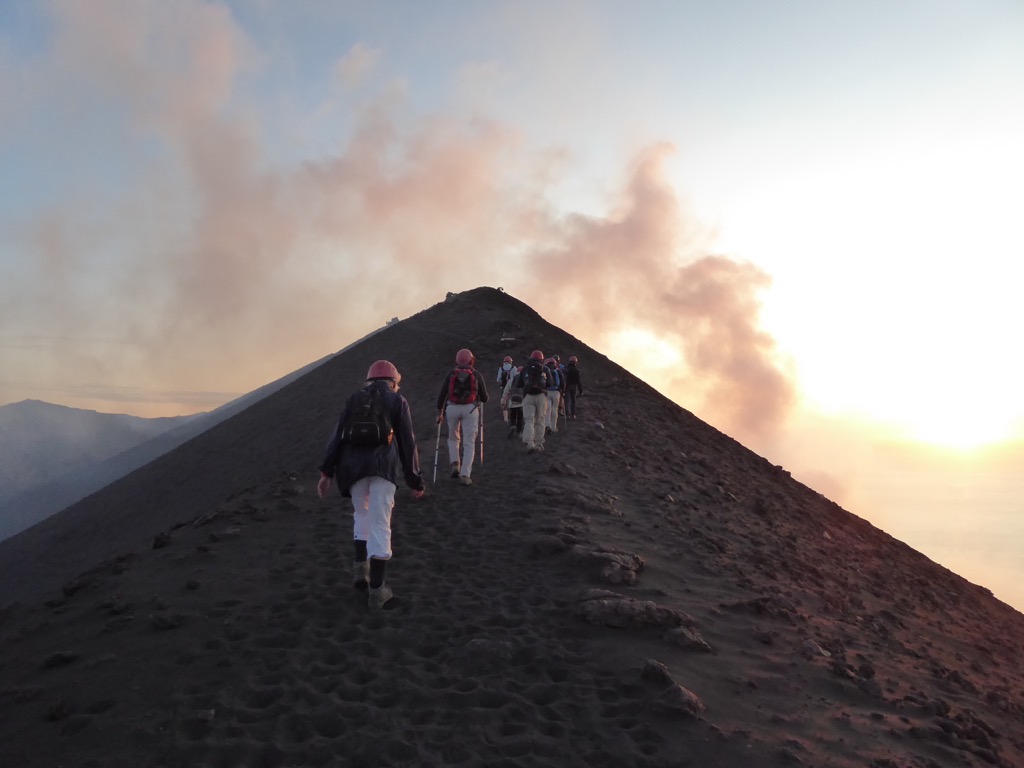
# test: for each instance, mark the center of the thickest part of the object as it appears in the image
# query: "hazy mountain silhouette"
(53, 456)
(40, 441)
(646, 592)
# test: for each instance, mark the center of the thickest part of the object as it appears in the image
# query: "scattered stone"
(687, 638)
(598, 606)
(161, 540)
(773, 607)
(617, 567)
(676, 698)
(657, 672)
(810, 649)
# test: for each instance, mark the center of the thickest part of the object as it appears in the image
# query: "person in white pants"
(463, 391)
(367, 464)
(463, 427)
(533, 381)
(554, 395)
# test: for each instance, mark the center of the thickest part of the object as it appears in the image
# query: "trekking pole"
(437, 445)
(481, 435)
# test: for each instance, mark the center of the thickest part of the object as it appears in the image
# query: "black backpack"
(368, 421)
(535, 378)
(505, 375)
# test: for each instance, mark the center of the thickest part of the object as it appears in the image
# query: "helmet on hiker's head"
(549, 361)
(507, 359)
(574, 359)
(536, 355)
(464, 357)
(383, 369)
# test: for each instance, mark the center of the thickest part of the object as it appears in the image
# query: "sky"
(799, 219)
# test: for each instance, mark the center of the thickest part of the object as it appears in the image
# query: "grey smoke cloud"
(643, 266)
(217, 267)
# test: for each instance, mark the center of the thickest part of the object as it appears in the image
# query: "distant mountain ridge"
(39, 440)
(52, 456)
(94, 449)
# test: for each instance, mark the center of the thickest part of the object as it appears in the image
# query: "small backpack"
(368, 421)
(535, 378)
(503, 376)
(462, 386)
(555, 377)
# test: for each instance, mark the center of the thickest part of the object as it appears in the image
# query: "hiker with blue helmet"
(462, 393)
(373, 445)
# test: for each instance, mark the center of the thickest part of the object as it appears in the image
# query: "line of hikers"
(373, 442)
(536, 394)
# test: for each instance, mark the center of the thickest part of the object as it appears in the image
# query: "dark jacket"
(354, 462)
(442, 396)
(573, 378)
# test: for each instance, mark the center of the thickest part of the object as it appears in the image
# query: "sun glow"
(963, 430)
(634, 345)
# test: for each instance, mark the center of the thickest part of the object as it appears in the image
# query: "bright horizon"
(801, 218)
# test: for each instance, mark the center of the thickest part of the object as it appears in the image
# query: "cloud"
(353, 68)
(217, 267)
(645, 266)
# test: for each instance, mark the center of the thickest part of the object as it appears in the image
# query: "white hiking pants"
(552, 418)
(534, 412)
(463, 423)
(373, 499)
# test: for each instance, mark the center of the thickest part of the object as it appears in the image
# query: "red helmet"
(549, 361)
(536, 355)
(383, 369)
(507, 359)
(574, 359)
(464, 357)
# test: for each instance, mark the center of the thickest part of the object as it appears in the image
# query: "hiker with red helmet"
(462, 393)
(371, 445)
(534, 381)
(573, 386)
